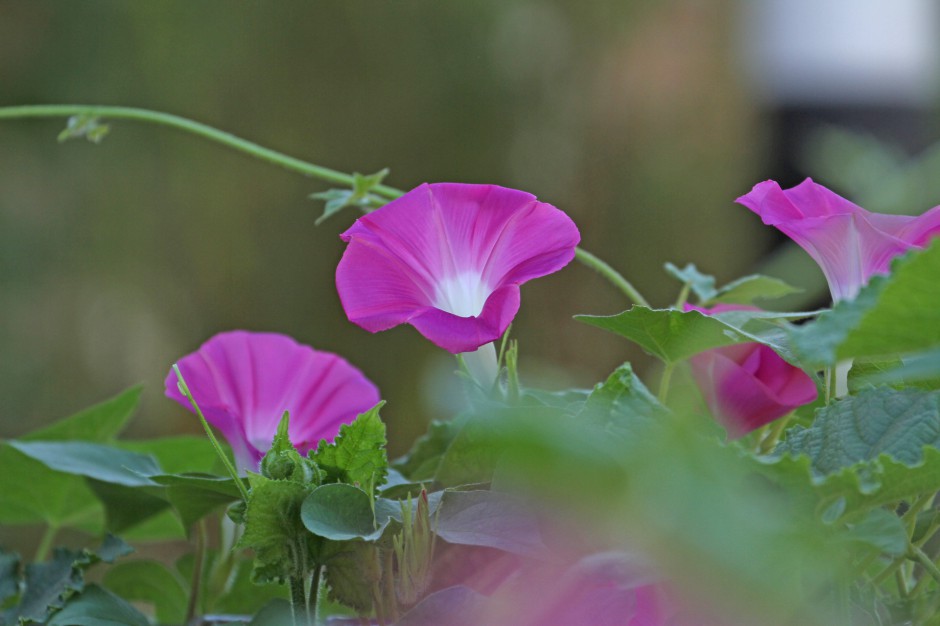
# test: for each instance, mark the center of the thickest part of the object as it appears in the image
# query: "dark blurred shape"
(860, 64)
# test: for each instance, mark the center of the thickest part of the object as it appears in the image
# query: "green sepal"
(283, 462)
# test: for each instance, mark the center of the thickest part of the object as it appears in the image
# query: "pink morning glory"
(748, 385)
(448, 259)
(244, 381)
(849, 243)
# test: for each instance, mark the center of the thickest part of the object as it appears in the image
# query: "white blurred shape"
(843, 51)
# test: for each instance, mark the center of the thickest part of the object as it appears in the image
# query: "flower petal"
(465, 334)
(244, 382)
(849, 243)
(442, 256)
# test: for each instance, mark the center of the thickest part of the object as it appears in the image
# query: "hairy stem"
(184, 389)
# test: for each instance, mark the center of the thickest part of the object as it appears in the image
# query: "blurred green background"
(116, 259)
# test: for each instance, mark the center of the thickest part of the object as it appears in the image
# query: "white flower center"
(463, 294)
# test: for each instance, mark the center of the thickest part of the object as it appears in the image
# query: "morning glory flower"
(245, 381)
(748, 385)
(849, 243)
(448, 259)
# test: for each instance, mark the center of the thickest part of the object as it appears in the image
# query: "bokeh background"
(643, 120)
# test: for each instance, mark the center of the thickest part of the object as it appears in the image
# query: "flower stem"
(612, 275)
(184, 389)
(265, 154)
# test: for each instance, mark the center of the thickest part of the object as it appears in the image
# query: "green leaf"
(125, 507)
(242, 596)
(9, 576)
(48, 585)
(359, 196)
(490, 519)
(98, 607)
(151, 582)
(92, 460)
(111, 549)
(673, 335)
(277, 612)
(865, 370)
(892, 314)
(668, 334)
(178, 454)
(871, 449)
(195, 496)
(471, 457)
(921, 370)
(863, 486)
(357, 455)
(84, 125)
(621, 403)
(741, 291)
(352, 569)
(862, 427)
(882, 530)
(750, 288)
(274, 530)
(67, 501)
(702, 285)
(100, 423)
(424, 458)
(340, 512)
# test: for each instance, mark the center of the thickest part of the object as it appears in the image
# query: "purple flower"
(849, 243)
(748, 385)
(448, 259)
(244, 381)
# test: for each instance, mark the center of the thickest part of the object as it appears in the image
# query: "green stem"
(770, 441)
(265, 154)
(830, 384)
(196, 128)
(199, 559)
(298, 599)
(45, 544)
(888, 571)
(612, 276)
(184, 389)
(683, 296)
(313, 598)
